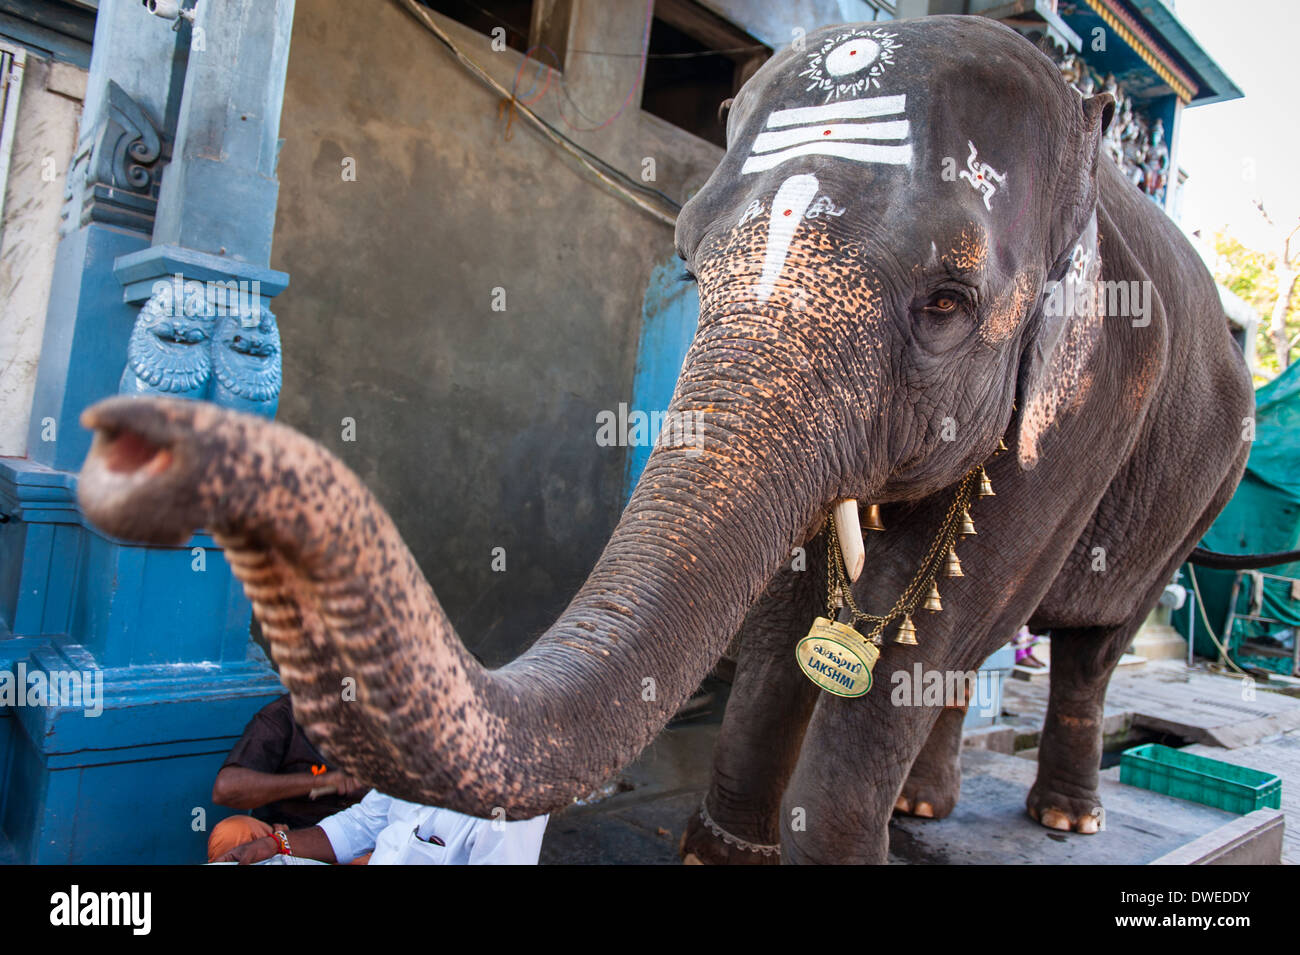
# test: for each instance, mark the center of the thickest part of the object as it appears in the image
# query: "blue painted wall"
(669, 316)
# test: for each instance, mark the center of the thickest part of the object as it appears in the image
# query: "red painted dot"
(787, 212)
(826, 132)
(853, 52)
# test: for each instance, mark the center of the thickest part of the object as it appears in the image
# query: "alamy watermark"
(1108, 299)
(641, 429)
(980, 689)
(177, 296)
(83, 689)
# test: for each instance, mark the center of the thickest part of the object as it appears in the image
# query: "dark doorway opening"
(696, 61)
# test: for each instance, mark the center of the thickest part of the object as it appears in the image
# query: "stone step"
(990, 826)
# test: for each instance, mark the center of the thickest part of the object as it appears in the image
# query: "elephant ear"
(1055, 358)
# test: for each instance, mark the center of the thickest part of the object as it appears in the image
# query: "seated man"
(402, 833)
(270, 772)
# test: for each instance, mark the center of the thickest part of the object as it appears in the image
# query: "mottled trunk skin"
(339, 595)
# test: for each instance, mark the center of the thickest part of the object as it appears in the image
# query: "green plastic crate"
(1210, 782)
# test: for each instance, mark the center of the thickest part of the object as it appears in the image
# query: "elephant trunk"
(378, 676)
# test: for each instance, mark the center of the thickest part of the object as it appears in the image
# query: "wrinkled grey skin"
(1126, 433)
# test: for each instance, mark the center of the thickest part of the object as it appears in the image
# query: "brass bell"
(986, 487)
(967, 525)
(1002, 445)
(952, 566)
(873, 518)
(932, 602)
(906, 633)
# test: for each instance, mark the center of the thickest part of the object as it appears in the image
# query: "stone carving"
(170, 348)
(126, 144)
(184, 346)
(1134, 141)
(246, 362)
(119, 167)
(1157, 164)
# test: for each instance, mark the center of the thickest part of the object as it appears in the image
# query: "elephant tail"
(1208, 558)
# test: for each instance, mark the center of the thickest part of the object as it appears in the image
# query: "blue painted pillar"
(206, 280)
(126, 673)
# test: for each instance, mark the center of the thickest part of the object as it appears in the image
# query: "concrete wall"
(44, 140)
(475, 428)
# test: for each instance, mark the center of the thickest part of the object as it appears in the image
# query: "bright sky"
(1246, 148)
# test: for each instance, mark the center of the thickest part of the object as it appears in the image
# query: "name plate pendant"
(837, 658)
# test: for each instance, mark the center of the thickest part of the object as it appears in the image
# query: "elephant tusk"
(849, 531)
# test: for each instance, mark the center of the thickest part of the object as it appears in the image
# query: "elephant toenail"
(1055, 819)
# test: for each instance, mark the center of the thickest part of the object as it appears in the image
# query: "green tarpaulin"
(1262, 517)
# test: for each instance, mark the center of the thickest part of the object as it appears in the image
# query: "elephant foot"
(706, 843)
(1081, 814)
(928, 799)
(933, 784)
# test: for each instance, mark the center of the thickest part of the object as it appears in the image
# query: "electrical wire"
(607, 174)
(1200, 605)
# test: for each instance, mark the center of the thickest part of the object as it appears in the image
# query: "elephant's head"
(893, 201)
(871, 254)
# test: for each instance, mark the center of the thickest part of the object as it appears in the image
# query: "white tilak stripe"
(788, 206)
(766, 142)
(849, 109)
(858, 152)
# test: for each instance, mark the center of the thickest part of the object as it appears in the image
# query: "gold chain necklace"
(835, 655)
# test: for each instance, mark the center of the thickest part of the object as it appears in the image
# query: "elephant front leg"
(769, 707)
(1064, 796)
(855, 758)
(934, 783)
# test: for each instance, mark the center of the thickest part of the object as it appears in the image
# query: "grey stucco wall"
(475, 428)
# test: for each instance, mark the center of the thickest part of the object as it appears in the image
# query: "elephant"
(896, 258)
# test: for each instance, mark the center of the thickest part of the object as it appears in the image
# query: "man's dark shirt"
(274, 743)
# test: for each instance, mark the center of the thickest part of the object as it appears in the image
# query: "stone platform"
(990, 827)
(642, 821)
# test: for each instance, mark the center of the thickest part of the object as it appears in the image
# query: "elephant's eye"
(943, 303)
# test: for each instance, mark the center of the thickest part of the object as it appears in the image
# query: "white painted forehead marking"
(851, 57)
(825, 132)
(788, 207)
(850, 109)
(848, 63)
(808, 130)
(981, 175)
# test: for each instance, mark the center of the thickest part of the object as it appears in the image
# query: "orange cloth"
(236, 830)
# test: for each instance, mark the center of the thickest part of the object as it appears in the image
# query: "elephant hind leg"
(933, 784)
(1064, 795)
